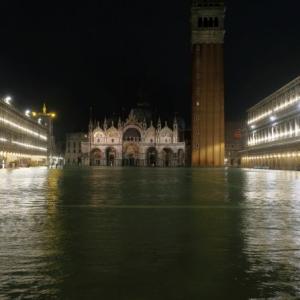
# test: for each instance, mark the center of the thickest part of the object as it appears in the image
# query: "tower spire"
(91, 119)
(159, 124)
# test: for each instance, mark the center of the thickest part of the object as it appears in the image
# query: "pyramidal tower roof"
(207, 3)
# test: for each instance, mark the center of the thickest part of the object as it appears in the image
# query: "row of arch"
(167, 158)
(208, 22)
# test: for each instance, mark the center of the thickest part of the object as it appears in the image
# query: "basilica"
(134, 141)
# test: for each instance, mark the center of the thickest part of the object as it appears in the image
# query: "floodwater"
(154, 234)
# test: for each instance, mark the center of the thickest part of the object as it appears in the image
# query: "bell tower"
(207, 22)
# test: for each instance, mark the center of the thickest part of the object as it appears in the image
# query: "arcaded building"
(234, 142)
(23, 141)
(207, 21)
(135, 141)
(73, 154)
(274, 130)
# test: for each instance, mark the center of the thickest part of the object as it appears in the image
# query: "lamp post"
(49, 116)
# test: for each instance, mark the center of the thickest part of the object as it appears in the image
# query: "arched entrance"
(181, 158)
(111, 155)
(96, 156)
(167, 157)
(151, 157)
(131, 155)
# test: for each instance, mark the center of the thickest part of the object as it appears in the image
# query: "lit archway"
(111, 155)
(151, 157)
(96, 156)
(131, 155)
(181, 158)
(167, 157)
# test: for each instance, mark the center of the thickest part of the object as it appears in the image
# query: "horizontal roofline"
(271, 96)
(21, 114)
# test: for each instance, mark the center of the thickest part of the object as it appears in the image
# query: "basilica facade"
(133, 142)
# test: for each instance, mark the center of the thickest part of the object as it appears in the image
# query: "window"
(216, 22)
(200, 22)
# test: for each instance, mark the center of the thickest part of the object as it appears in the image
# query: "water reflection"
(27, 235)
(149, 233)
(271, 219)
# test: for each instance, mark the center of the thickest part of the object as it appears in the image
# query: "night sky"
(113, 54)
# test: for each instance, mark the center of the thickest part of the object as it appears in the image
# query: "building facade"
(234, 143)
(274, 130)
(207, 83)
(23, 141)
(133, 142)
(73, 154)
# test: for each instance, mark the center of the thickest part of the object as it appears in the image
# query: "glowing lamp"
(7, 100)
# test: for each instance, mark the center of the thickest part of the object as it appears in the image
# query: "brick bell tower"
(207, 22)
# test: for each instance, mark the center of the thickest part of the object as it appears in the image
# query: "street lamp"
(7, 100)
(27, 113)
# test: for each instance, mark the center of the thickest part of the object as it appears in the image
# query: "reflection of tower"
(208, 83)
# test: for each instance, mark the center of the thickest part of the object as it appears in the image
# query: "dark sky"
(108, 54)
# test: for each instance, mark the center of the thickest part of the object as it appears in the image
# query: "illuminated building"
(133, 142)
(234, 143)
(23, 141)
(207, 83)
(73, 154)
(274, 130)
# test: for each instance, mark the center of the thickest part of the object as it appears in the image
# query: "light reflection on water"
(271, 230)
(149, 233)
